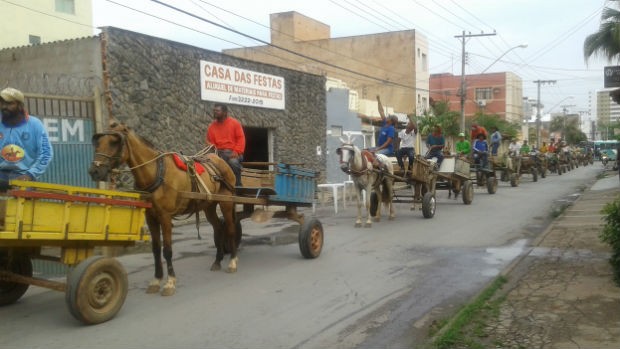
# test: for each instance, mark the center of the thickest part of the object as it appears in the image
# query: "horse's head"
(110, 151)
(346, 154)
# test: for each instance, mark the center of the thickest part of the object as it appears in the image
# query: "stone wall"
(63, 68)
(154, 87)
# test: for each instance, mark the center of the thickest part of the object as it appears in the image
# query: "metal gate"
(70, 123)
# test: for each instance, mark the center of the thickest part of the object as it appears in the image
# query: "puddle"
(501, 255)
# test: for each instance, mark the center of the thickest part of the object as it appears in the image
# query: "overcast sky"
(554, 31)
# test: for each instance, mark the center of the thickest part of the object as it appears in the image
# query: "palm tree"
(606, 41)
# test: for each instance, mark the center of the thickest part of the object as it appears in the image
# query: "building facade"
(44, 21)
(495, 93)
(158, 88)
(393, 65)
(607, 113)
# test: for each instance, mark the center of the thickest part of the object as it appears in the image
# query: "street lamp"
(500, 57)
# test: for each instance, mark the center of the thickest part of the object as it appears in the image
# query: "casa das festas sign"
(231, 85)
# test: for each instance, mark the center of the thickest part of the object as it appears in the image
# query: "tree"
(606, 41)
(440, 115)
(569, 126)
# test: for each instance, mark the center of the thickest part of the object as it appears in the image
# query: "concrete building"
(607, 113)
(44, 21)
(494, 93)
(393, 65)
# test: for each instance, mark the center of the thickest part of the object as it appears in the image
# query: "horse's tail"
(387, 190)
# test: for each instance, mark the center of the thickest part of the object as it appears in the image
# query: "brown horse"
(155, 172)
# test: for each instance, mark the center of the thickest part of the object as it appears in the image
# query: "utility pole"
(463, 93)
(538, 121)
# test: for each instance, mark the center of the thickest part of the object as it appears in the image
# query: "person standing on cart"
(25, 148)
(386, 134)
(407, 145)
(481, 151)
(496, 140)
(226, 134)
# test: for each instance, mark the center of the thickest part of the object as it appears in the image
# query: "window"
(65, 6)
(424, 62)
(484, 93)
(34, 40)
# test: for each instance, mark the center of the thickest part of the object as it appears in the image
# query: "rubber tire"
(21, 264)
(374, 204)
(514, 180)
(504, 176)
(96, 289)
(534, 175)
(543, 173)
(467, 192)
(311, 238)
(429, 204)
(492, 185)
(238, 233)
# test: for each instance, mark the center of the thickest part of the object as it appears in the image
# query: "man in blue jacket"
(25, 149)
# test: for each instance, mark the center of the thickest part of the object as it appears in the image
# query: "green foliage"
(440, 115)
(611, 235)
(507, 129)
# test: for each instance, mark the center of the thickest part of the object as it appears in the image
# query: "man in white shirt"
(407, 142)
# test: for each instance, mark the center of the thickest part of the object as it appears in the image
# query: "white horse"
(366, 171)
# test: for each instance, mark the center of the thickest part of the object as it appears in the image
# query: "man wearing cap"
(481, 150)
(226, 134)
(25, 149)
(463, 147)
(407, 145)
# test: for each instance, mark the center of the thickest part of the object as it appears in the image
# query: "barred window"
(484, 93)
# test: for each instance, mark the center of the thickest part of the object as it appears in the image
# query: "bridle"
(348, 170)
(113, 161)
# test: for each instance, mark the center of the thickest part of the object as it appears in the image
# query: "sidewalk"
(562, 294)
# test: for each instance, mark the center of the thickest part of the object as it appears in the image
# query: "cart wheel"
(514, 180)
(492, 185)
(238, 233)
(96, 289)
(535, 175)
(428, 205)
(504, 176)
(311, 238)
(468, 192)
(543, 173)
(19, 264)
(374, 203)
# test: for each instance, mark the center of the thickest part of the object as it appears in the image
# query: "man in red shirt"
(226, 134)
(478, 130)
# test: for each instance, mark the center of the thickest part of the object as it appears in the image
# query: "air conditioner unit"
(482, 103)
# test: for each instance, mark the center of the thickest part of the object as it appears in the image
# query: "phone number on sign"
(247, 100)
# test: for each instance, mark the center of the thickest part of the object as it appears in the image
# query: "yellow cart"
(76, 220)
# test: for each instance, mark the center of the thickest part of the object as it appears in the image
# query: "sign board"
(231, 85)
(612, 76)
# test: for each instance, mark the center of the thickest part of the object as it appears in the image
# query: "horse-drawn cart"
(422, 179)
(453, 175)
(41, 218)
(286, 186)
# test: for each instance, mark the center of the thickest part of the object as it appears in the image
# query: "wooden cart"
(454, 176)
(287, 186)
(422, 179)
(73, 220)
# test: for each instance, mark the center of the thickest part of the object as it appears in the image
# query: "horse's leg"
(390, 197)
(218, 237)
(368, 223)
(358, 196)
(166, 228)
(379, 194)
(228, 210)
(154, 228)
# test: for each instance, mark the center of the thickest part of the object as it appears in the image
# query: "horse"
(361, 166)
(157, 174)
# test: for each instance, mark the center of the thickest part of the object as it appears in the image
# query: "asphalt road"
(371, 287)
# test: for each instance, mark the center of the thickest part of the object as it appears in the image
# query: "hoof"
(168, 291)
(358, 225)
(368, 225)
(232, 266)
(392, 218)
(170, 287)
(216, 266)
(412, 208)
(153, 287)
